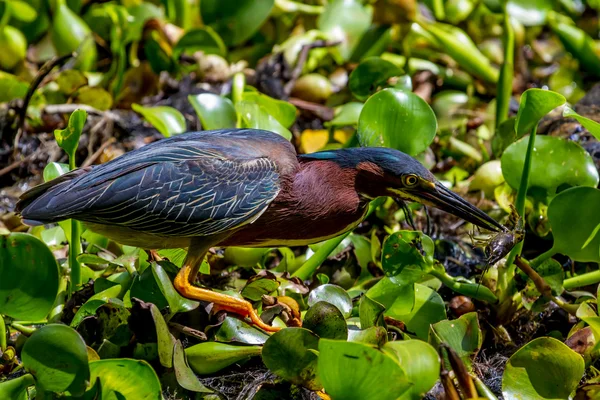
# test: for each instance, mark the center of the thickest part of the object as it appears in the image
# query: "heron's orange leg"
(183, 283)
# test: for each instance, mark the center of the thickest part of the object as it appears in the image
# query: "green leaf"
(407, 248)
(427, 308)
(214, 111)
(282, 111)
(555, 162)
(370, 312)
(326, 321)
(124, 378)
(462, 335)
(177, 302)
(68, 138)
(371, 74)
(544, 368)
(346, 115)
(165, 340)
(332, 294)
(375, 335)
(166, 120)
(29, 277)
(592, 126)
(574, 217)
(529, 12)
(355, 371)
(258, 286)
(203, 39)
(22, 11)
(420, 362)
(236, 330)
(345, 21)
(16, 389)
(12, 88)
(210, 357)
(184, 374)
(53, 170)
(577, 42)
(87, 309)
(458, 45)
(397, 119)
(95, 97)
(535, 104)
(290, 355)
(57, 356)
(255, 116)
(235, 20)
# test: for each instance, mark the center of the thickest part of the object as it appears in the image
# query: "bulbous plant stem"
(590, 278)
(3, 344)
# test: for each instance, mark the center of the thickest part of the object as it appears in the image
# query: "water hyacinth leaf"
(68, 138)
(71, 34)
(529, 12)
(462, 335)
(203, 39)
(236, 330)
(145, 288)
(184, 374)
(165, 340)
(235, 20)
(22, 11)
(167, 120)
(387, 291)
(577, 42)
(345, 21)
(214, 111)
(210, 357)
(14, 46)
(57, 356)
(29, 277)
(332, 294)
(12, 88)
(375, 335)
(113, 323)
(407, 248)
(535, 104)
(70, 80)
(421, 364)
(86, 310)
(371, 74)
(177, 303)
(257, 286)
(355, 371)
(544, 368)
(487, 178)
(290, 355)
(326, 320)
(313, 87)
(346, 115)
(458, 10)
(420, 313)
(255, 116)
(16, 389)
(505, 136)
(574, 217)
(397, 119)
(555, 162)
(592, 126)
(370, 312)
(282, 111)
(126, 378)
(458, 45)
(53, 170)
(95, 97)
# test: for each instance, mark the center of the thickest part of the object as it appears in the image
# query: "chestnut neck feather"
(319, 200)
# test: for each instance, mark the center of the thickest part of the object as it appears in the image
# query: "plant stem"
(75, 248)
(26, 330)
(586, 279)
(473, 290)
(505, 80)
(536, 262)
(5, 16)
(3, 344)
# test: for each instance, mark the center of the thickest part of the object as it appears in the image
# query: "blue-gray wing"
(181, 190)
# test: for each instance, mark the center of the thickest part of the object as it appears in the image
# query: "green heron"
(235, 187)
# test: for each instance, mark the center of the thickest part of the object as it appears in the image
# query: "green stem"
(75, 248)
(3, 344)
(536, 262)
(506, 73)
(237, 90)
(294, 6)
(473, 290)
(586, 279)
(5, 16)
(26, 330)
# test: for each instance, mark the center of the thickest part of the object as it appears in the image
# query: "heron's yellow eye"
(410, 180)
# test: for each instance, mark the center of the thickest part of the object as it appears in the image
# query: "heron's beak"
(445, 199)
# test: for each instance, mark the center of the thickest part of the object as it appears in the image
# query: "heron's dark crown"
(393, 162)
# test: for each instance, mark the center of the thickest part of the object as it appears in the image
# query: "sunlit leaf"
(397, 119)
(236, 330)
(255, 116)
(544, 368)
(214, 111)
(535, 104)
(463, 335)
(592, 126)
(184, 374)
(57, 356)
(68, 138)
(371, 74)
(29, 277)
(126, 378)
(201, 39)
(166, 120)
(332, 294)
(210, 357)
(282, 111)
(355, 371)
(326, 320)
(16, 389)
(529, 12)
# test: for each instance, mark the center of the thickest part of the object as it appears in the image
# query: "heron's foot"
(222, 301)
